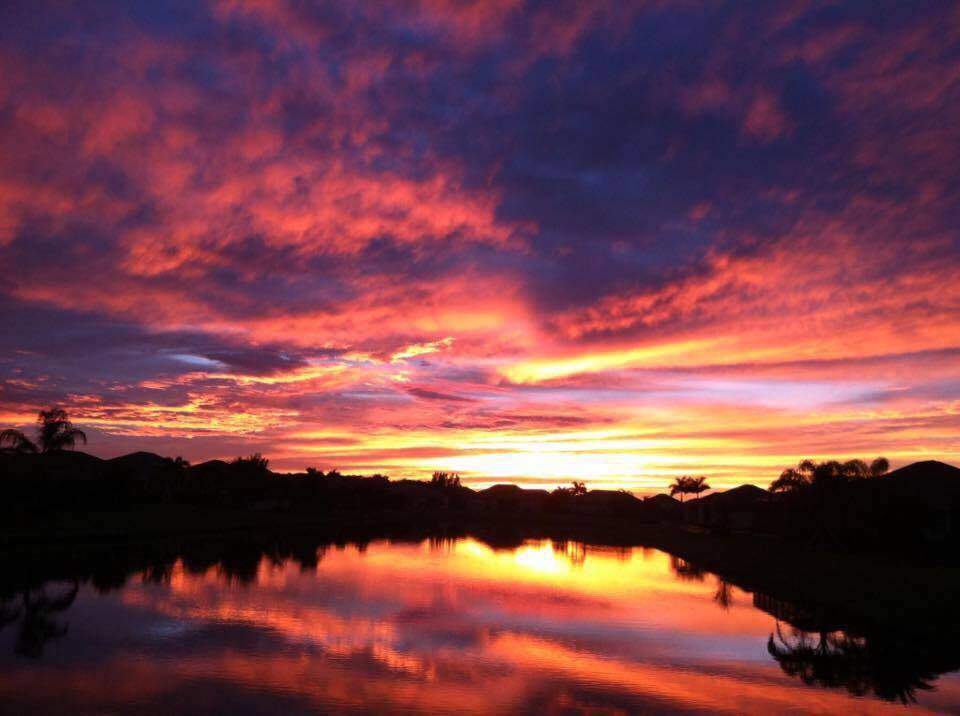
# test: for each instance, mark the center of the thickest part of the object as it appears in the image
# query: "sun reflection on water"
(437, 626)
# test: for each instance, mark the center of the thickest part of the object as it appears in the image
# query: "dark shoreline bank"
(862, 554)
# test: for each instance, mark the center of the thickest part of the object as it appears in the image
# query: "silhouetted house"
(661, 508)
(222, 483)
(923, 501)
(146, 476)
(915, 507)
(605, 502)
(511, 498)
(57, 480)
(208, 479)
(739, 509)
(357, 492)
(61, 465)
(419, 496)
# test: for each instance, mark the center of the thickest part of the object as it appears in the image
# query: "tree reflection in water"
(809, 643)
(574, 552)
(818, 648)
(687, 571)
(724, 594)
(857, 663)
(36, 617)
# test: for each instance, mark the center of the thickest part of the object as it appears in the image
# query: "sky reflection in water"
(430, 627)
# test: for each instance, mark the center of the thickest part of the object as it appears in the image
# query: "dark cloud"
(425, 394)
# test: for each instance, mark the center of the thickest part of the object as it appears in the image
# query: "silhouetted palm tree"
(688, 485)
(54, 432)
(679, 487)
(698, 485)
(14, 441)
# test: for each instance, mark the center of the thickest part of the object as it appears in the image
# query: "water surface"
(437, 626)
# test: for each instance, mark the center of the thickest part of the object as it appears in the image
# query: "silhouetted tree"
(855, 469)
(679, 487)
(698, 485)
(54, 432)
(879, 467)
(577, 489)
(790, 479)
(15, 442)
(688, 485)
(256, 462)
(178, 462)
(828, 471)
(809, 472)
(445, 479)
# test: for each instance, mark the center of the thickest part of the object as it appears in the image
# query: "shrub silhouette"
(577, 489)
(445, 479)
(254, 462)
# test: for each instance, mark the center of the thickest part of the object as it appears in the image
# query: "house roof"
(929, 478)
(742, 495)
(512, 491)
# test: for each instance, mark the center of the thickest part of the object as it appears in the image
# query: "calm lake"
(431, 627)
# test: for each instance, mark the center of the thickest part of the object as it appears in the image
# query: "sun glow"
(538, 371)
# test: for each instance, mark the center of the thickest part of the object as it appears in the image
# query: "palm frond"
(16, 441)
(56, 432)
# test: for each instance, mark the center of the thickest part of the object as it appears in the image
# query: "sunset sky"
(527, 241)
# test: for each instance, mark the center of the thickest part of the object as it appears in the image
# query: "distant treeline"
(848, 505)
